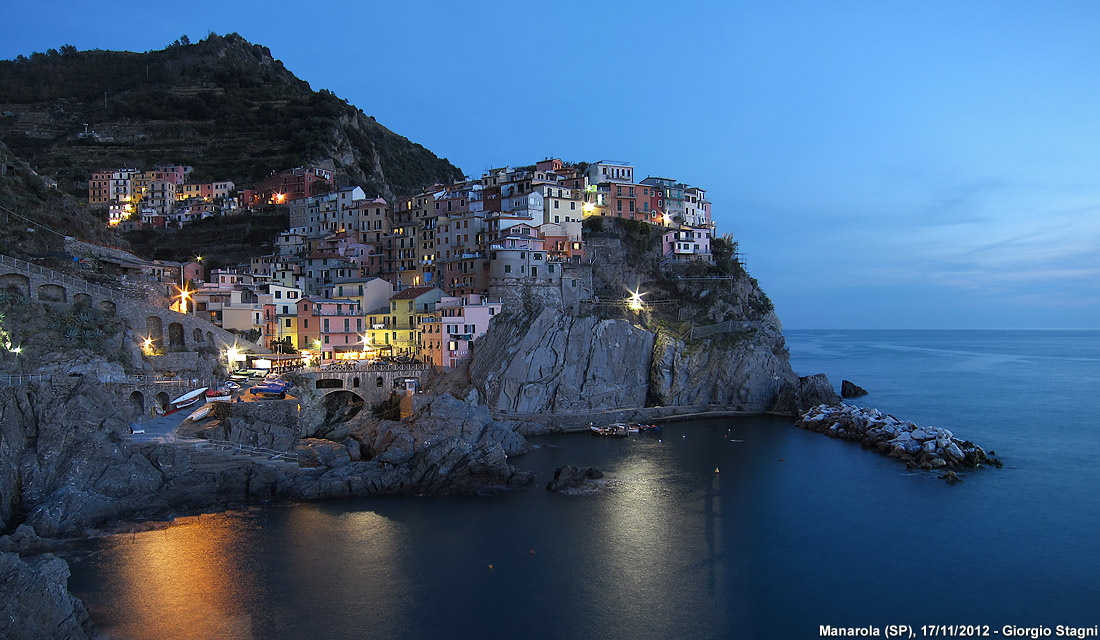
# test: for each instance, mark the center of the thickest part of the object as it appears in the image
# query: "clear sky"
(931, 164)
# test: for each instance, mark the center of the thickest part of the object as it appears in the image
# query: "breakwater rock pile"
(917, 447)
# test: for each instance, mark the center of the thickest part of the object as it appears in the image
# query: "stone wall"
(169, 330)
(269, 424)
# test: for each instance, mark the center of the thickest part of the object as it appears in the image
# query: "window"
(534, 272)
(556, 204)
(573, 206)
(305, 323)
(278, 295)
(287, 323)
(507, 268)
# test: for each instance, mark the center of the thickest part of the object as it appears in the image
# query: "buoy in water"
(532, 552)
(781, 459)
(716, 469)
(490, 567)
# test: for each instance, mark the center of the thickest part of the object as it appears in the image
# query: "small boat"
(616, 430)
(219, 394)
(645, 428)
(200, 413)
(187, 399)
(273, 390)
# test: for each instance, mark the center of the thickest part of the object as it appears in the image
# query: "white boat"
(200, 413)
(187, 399)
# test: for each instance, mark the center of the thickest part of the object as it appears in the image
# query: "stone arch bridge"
(320, 389)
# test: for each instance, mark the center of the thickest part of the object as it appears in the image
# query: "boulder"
(849, 389)
(951, 477)
(35, 602)
(574, 480)
(314, 452)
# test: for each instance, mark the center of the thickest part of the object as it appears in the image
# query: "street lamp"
(185, 295)
(635, 301)
(231, 355)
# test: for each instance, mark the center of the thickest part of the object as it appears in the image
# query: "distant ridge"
(222, 105)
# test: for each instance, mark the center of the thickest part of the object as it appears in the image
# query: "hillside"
(36, 217)
(222, 105)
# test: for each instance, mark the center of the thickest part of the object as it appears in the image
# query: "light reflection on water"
(797, 530)
(184, 581)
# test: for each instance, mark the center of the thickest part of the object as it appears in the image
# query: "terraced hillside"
(222, 105)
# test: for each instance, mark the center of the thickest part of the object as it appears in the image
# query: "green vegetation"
(222, 241)
(222, 105)
(35, 218)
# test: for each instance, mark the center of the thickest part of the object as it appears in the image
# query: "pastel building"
(408, 309)
(609, 171)
(205, 190)
(326, 325)
(367, 293)
(688, 243)
(521, 257)
(454, 324)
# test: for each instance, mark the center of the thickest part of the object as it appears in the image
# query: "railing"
(78, 283)
(722, 327)
(19, 380)
(272, 454)
(388, 367)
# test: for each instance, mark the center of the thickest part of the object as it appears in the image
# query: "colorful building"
(454, 324)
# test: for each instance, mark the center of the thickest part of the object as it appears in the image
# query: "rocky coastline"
(929, 448)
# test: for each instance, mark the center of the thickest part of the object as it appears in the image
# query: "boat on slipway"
(201, 412)
(186, 400)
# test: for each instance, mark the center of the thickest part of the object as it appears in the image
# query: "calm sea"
(795, 530)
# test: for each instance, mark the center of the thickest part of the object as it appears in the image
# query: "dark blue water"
(797, 530)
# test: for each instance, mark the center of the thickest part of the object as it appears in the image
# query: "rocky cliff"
(705, 336)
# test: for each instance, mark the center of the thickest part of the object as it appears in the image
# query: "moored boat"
(615, 430)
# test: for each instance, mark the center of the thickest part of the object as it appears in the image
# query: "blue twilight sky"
(931, 164)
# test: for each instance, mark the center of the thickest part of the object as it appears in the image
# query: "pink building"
(326, 325)
(454, 325)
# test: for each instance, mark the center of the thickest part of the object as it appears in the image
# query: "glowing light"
(17, 350)
(635, 301)
(588, 207)
(231, 354)
(185, 295)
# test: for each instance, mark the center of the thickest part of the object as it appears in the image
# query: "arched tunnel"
(341, 406)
